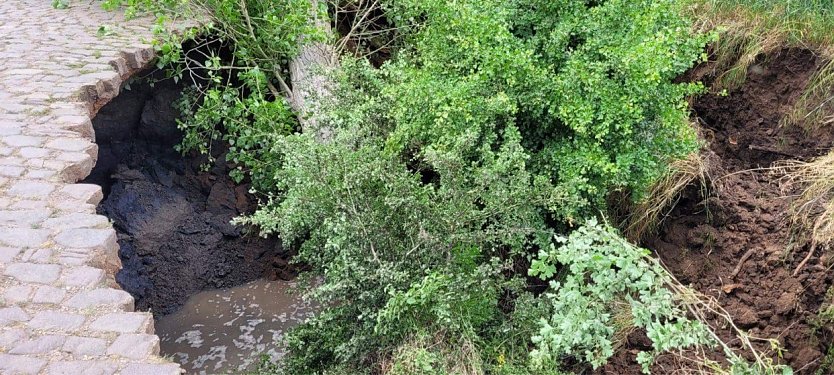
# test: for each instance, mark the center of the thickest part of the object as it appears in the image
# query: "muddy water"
(226, 331)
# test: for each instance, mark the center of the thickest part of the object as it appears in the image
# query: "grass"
(664, 194)
(812, 212)
(750, 29)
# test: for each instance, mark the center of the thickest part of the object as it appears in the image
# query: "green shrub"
(599, 268)
(495, 125)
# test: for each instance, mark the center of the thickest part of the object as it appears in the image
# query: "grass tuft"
(749, 29)
(664, 195)
(812, 212)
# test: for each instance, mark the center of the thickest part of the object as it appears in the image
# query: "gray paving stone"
(102, 297)
(75, 221)
(7, 254)
(12, 336)
(39, 345)
(48, 294)
(88, 193)
(31, 189)
(56, 320)
(18, 294)
(34, 273)
(123, 323)
(82, 368)
(136, 346)
(49, 89)
(21, 140)
(10, 315)
(20, 364)
(80, 346)
(82, 276)
(86, 237)
(151, 369)
(23, 237)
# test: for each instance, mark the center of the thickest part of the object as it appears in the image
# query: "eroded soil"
(744, 225)
(172, 218)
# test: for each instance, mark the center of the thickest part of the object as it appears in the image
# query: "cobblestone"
(58, 314)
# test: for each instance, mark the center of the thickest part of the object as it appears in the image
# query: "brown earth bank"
(736, 244)
(172, 217)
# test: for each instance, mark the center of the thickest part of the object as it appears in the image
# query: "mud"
(172, 218)
(227, 330)
(703, 241)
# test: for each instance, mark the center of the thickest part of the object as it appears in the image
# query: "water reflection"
(225, 331)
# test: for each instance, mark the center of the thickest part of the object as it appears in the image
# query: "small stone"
(11, 315)
(123, 322)
(105, 296)
(48, 294)
(135, 346)
(40, 345)
(54, 320)
(148, 369)
(31, 189)
(34, 273)
(19, 364)
(82, 367)
(85, 346)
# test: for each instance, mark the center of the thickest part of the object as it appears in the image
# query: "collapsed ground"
(172, 217)
(737, 244)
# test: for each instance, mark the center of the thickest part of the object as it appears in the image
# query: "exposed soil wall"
(744, 225)
(172, 218)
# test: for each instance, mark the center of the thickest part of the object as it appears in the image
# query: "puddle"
(225, 331)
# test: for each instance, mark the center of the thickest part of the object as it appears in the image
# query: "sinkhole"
(219, 294)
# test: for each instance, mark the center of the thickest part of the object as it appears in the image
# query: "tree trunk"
(309, 74)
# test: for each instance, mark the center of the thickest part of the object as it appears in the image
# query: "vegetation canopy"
(451, 219)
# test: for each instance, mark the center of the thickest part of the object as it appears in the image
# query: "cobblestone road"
(61, 311)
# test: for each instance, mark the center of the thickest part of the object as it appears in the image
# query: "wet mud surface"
(737, 245)
(172, 218)
(226, 331)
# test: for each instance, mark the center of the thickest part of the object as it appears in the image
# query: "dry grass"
(812, 212)
(664, 195)
(750, 29)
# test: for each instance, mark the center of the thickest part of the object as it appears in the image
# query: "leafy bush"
(601, 267)
(494, 126)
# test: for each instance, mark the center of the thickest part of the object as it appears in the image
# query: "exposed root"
(741, 261)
